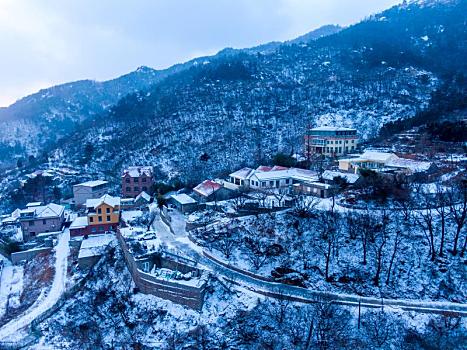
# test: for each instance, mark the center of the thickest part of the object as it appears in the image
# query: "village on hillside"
(251, 224)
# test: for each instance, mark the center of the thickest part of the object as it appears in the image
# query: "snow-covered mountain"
(243, 106)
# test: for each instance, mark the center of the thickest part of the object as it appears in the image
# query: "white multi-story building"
(330, 141)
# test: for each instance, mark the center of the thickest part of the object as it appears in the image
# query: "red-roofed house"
(209, 191)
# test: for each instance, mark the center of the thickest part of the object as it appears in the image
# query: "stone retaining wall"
(191, 296)
(28, 254)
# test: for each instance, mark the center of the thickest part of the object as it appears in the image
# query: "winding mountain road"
(179, 240)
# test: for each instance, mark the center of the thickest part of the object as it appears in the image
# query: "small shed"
(92, 249)
(317, 189)
(184, 202)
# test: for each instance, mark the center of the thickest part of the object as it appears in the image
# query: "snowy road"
(11, 331)
(181, 242)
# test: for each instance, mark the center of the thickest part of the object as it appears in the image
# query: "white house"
(382, 161)
(265, 177)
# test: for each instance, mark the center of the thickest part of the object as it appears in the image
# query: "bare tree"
(397, 241)
(381, 237)
(441, 208)
(304, 205)
(458, 210)
(226, 244)
(425, 219)
(327, 229)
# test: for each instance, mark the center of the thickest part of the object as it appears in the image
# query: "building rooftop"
(33, 204)
(94, 245)
(331, 128)
(93, 183)
(410, 164)
(48, 211)
(143, 195)
(137, 171)
(79, 222)
(107, 199)
(331, 175)
(207, 187)
(242, 173)
(183, 198)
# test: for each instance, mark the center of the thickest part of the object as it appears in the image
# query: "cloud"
(55, 41)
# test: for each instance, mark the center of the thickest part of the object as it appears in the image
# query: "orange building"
(103, 215)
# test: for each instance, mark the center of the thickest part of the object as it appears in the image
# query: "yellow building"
(103, 214)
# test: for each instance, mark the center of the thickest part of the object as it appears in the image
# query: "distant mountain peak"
(316, 34)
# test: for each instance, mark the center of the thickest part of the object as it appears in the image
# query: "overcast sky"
(47, 42)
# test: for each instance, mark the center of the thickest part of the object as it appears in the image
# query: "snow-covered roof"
(33, 204)
(207, 187)
(94, 245)
(48, 211)
(331, 128)
(278, 167)
(349, 177)
(263, 168)
(183, 198)
(79, 222)
(106, 198)
(242, 173)
(320, 185)
(377, 156)
(93, 183)
(372, 156)
(293, 173)
(410, 164)
(12, 218)
(137, 171)
(143, 195)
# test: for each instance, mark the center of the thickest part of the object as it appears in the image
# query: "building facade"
(102, 215)
(136, 179)
(330, 141)
(37, 219)
(89, 190)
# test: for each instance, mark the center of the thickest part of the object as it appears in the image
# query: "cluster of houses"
(95, 211)
(95, 215)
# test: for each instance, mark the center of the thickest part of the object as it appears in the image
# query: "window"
(127, 180)
(136, 179)
(271, 183)
(287, 181)
(91, 219)
(99, 218)
(31, 223)
(136, 189)
(44, 222)
(128, 189)
(143, 179)
(107, 210)
(263, 184)
(101, 228)
(94, 229)
(145, 188)
(99, 210)
(108, 217)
